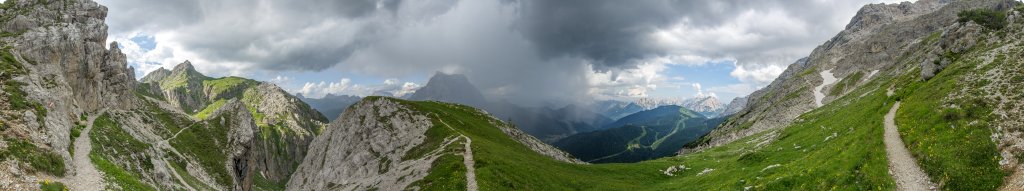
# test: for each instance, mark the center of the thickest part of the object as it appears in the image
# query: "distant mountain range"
(330, 105)
(707, 105)
(615, 109)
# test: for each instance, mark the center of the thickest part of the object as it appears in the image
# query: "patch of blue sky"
(708, 75)
(145, 42)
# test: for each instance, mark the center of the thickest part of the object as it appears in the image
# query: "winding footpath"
(467, 158)
(902, 166)
(165, 144)
(86, 177)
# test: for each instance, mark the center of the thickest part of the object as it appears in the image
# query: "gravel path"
(86, 176)
(902, 166)
(467, 159)
(164, 143)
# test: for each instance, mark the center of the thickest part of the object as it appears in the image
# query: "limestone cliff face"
(241, 141)
(870, 46)
(293, 124)
(364, 150)
(955, 39)
(156, 75)
(65, 41)
(61, 67)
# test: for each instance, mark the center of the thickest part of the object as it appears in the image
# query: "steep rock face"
(156, 75)
(289, 126)
(241, 142)
(364, 149)
(72, 46)
(954, 40)
(871, 43)
(735, 106)
(55, 66)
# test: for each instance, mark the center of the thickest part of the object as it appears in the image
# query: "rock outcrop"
(56, 66)
(364, 149)
(156, 75)
(954, 40)
(184, 87)
(735, 106)
(242, 148)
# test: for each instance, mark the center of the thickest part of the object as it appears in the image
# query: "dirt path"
(86, 176)
(167, 145)
(902, 166)
(467, 159)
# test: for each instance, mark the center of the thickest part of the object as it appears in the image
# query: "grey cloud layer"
(516, 48)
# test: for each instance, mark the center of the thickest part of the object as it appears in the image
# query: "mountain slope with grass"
(286, 124)
(176, 130)
(953, 67)
(957, 81)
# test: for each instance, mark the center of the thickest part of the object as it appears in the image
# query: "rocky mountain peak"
(186, 68)
(707, 104)
(454, 88)
(156, 75)
(878, 14)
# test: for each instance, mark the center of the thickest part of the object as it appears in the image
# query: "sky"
(525, 51)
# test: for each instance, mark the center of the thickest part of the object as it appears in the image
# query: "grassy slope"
(207, 143)
(853, 159)
(838, 146)
(951, 137)
(111, 143)
(835, 147)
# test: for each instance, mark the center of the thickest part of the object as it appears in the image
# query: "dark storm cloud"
(268, 34)
(523, 49)
(612, 33)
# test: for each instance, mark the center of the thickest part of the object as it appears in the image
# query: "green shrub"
(48, 185)
(117, 175)
(988, 18)
(37, 158)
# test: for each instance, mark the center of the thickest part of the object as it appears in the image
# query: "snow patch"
(828, 78)
(872, 74)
